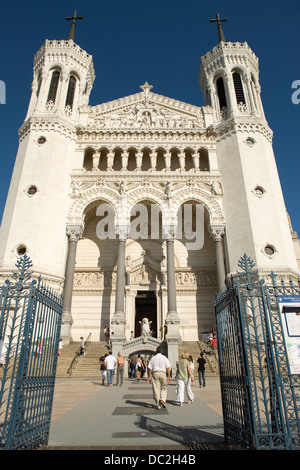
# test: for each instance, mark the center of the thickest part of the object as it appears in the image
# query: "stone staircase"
(89, 366)
(85, 366)
(194, 348)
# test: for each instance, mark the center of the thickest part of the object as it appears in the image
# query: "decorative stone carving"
(217, 232)
(145, 326)
(88, 279)
(74, 232)
(145, 110)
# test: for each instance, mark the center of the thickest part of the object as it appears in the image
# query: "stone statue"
(145, 326)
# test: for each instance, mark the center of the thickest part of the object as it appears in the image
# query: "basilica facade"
(142, 206)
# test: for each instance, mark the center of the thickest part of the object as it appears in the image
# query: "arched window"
(221, 93)
(71, 91)
(238, 86)
(53, 86)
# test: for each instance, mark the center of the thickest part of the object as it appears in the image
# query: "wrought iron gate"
(260, 381)
(30, 321)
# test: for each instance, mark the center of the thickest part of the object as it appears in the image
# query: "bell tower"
(256, 217)
(34, 219)
(63, 77)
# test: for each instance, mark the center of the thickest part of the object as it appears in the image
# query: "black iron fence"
(30, 321)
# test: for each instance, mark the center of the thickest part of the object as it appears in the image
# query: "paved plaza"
(87, 415)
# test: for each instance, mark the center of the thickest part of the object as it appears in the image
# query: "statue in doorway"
(145, 326)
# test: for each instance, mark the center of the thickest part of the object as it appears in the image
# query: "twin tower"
(64, 143)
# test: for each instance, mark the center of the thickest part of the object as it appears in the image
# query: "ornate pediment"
(145, 111)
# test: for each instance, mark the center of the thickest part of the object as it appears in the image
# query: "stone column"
(230, 95)
(172, 318)
(74, 233)
(119, 319)
(251, 99)
(62, 92)
(217, 233)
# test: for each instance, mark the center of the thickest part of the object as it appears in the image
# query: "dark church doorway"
(145, 307)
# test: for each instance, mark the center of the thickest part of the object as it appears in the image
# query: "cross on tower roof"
(220, 31)
(73, 25)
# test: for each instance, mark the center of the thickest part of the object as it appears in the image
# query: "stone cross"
(146, 88)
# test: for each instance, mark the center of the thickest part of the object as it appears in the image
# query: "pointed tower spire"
(74, 18)
(220, 31)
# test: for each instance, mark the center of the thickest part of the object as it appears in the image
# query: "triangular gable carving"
(145, 110)
(144, 269)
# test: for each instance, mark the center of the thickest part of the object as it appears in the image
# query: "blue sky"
(159, 41)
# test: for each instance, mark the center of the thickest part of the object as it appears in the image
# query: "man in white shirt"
(158, 367)
(110, 362)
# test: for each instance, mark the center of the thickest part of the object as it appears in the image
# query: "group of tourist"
(158, 370)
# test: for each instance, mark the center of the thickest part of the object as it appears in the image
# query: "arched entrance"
(145, 307)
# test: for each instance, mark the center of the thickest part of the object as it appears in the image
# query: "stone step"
(85, 366)
(194, 348)
(88, 365)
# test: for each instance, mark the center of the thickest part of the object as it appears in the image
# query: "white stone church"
(140, 207)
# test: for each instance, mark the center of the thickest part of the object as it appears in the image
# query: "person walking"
(132, 365)
(110, 362)
(201, 369)
(103, 368)
(139, 367)
(60, 346)
(82, 353)
(189, 383)
(158, 367)
(183, 374)
(120, 369)
(106, 334)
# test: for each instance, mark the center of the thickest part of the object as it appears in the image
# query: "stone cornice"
(243, 124)
(92, 136)
(48, 123)
(229, 48)
(62, 51)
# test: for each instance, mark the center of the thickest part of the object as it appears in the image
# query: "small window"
(269, 250)
(250, 141)
(53, 86)
(259, 191)
(21, 250)
(41, 140)
(31, 190)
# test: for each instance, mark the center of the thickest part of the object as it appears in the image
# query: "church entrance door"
(145, 307)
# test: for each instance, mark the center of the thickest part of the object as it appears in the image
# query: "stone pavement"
(87, 415)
